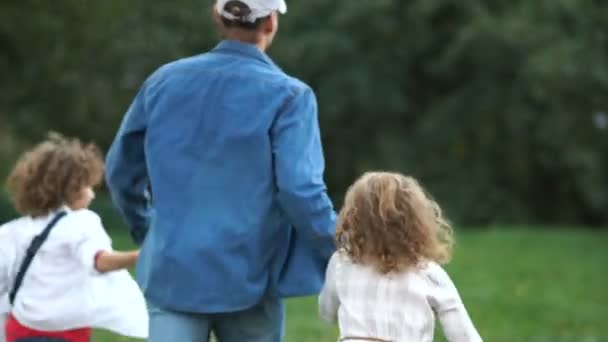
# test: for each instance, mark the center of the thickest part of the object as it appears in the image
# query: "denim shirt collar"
(244, 49)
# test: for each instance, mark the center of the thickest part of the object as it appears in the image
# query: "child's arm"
(93, 246)
(108, 261)
(457, 326)
(329, 302)
(445, 301)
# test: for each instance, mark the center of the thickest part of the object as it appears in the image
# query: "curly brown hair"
(54, 173)
(389, 222)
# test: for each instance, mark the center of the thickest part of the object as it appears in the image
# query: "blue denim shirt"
(218, 169)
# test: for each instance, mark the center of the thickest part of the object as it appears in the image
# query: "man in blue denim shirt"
(218, 169)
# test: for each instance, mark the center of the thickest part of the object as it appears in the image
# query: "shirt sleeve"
(329, 302)
(445, 301)
(93, 239)
(299, 167)
(126, 171)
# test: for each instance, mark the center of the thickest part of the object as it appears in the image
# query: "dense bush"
(496, 105)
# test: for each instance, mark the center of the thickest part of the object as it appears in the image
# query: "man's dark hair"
(241, 11)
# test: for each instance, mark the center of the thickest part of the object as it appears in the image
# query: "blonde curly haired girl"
(385, 283)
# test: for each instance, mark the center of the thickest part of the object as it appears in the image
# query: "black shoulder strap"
(31, 252)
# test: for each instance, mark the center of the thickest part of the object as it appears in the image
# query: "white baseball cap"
(259, 9)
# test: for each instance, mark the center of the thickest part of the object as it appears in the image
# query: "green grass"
(518, 285)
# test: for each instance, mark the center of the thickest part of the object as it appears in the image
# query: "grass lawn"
(518, 285)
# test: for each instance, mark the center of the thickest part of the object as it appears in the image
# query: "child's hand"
(107, 261)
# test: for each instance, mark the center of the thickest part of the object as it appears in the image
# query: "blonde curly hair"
(389, 222)
(52, 174)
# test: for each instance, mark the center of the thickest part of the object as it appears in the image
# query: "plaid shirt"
(397, 308)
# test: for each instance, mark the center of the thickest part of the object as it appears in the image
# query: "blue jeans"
(264, 322)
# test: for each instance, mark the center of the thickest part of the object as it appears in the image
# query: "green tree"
(490, 103)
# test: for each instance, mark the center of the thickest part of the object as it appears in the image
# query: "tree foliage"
(495, 105)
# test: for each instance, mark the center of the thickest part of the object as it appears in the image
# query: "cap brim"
(283, 7)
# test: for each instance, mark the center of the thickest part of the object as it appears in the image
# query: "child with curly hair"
(385, 282)
(57, 265)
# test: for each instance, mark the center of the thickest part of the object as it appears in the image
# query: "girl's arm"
(445, 301)
(328, 299)
(108, 261)
(93, 247)
(457, 326)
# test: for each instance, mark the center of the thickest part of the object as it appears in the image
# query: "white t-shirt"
(397, 307)
(61, 289)
(2, 324)
(4, 309)
(4, 306)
